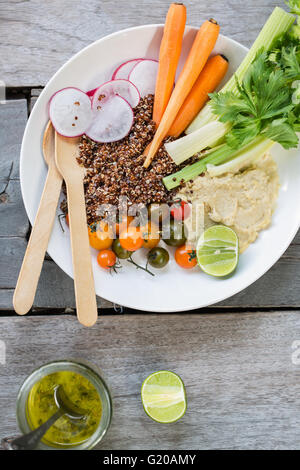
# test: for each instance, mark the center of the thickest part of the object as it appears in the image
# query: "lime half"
(218, 251)
(163, 396)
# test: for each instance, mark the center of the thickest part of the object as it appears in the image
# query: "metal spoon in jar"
(31, 440)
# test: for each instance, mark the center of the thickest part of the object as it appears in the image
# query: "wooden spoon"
(38, 242)
(66, 151)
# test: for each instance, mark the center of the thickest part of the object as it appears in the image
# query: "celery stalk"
(249, 155)
(233, 160)
(278, 23)
(222, 154)
(208, 136)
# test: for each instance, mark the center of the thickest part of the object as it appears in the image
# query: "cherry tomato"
(123, 224)
(131, 239)
(150, 234)
(106, 259)
(177, 235)
(158, 257)
(158, 212)
(100, 236)
(119, 250)
(185, 257)
(180, 210)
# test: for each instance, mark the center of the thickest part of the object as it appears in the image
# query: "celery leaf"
(294, 6)
(282, 132)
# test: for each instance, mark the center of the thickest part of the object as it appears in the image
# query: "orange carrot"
(170, 50)
(202, 47)
(208, 80)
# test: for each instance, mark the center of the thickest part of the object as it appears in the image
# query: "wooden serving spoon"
(38, 242)
(66, 151)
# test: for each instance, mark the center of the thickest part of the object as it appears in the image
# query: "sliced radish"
(124, 69)
(90, 93)
(112, 120)
(123, 88)
(143, 76)
(70, 111)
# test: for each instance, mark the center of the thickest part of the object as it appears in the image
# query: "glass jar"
(89, 372)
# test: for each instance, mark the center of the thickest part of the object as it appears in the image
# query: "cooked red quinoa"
(116, 169)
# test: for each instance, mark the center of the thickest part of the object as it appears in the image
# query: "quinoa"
(116, 169)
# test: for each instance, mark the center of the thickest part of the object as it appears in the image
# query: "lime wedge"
(218, 251)
(163, 396)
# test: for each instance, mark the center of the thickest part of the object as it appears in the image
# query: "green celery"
(278, 23)
(182, 149)
(222, 154)
(249, 155)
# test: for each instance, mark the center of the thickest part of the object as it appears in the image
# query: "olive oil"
(41, 405)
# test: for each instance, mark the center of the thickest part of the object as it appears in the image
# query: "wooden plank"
(242, 386)
(13, 117)
(11, 255)
(12, 211)
(33, 100)
(55, 289)
(35, 93)
(39, 38)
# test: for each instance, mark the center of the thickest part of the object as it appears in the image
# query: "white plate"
(172, 289)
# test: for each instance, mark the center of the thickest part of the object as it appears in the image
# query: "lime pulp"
(163, 396)
(218, 251)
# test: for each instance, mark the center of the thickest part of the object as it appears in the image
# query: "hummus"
(244, 201)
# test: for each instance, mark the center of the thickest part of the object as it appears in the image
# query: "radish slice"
(123, 88)
(124, 69)
(143, 76)
(70, 112)
(113, 119)
(90, 93)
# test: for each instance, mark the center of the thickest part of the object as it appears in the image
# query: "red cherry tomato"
(185, 257)
(180, 210)
(106, 259)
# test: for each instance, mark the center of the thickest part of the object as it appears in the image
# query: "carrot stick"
(170, 50)
(208, 80)
(202, 47)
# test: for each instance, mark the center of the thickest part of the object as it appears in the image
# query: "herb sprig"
(265, 104)
(294, 6)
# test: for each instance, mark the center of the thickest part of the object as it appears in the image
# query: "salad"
(160, 153)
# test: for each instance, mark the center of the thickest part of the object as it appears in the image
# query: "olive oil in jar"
(41, 405)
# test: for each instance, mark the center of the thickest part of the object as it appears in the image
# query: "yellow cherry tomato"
(123, 224)
(150, 234)
(100, 236)
(131, 239)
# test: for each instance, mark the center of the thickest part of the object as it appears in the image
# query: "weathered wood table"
(238, 359)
